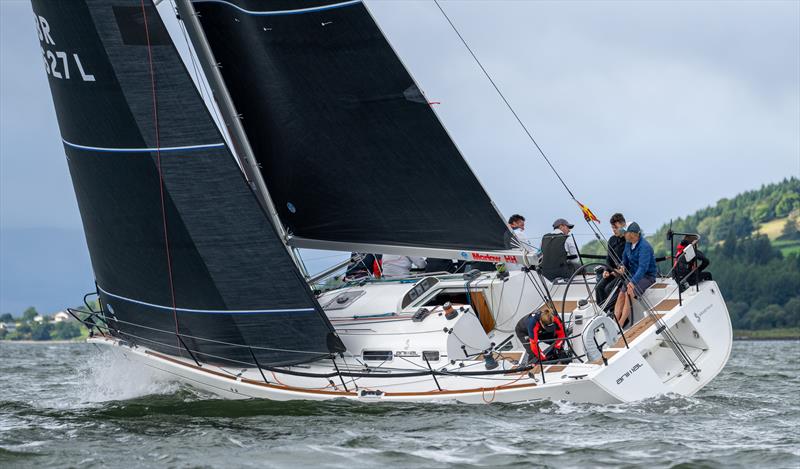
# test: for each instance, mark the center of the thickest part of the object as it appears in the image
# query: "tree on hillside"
(66, 330)
(41, 331)
(731, 223)
(757, 250)
(7, 317)
(29, 314)
(729, 246)
(763, 212)
(23, 329)
(792, 308)
(787, 203)
(790, 230)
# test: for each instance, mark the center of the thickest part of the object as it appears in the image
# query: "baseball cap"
(561, 221)
(633, 228)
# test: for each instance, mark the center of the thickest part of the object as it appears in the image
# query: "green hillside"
(754, 246)
(763, 211)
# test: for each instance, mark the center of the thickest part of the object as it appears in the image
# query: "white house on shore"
(61, 316)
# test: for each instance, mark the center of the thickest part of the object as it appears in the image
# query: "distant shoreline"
(788, 333)
(43, 341)
(761, 339)
(781, 338)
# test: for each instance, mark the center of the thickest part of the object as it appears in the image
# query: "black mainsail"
(178, 241)
(349, 147)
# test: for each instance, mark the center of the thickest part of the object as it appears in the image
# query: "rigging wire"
(589, 217)
(160, 172)
(516, 116)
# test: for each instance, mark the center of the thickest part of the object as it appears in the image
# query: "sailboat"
(327, 142)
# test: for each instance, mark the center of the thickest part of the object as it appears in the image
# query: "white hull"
(647, 368)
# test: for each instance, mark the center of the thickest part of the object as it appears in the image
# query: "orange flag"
(587, 214)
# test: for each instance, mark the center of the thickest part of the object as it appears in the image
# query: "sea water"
(76, 405)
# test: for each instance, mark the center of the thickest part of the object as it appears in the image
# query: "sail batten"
(205, 311)
(348, 145)
(220, 145)
(295, 11)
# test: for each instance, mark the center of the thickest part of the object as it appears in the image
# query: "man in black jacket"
(616, 246)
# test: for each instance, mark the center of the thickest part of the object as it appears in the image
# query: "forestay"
(349, 147)
(178, 242)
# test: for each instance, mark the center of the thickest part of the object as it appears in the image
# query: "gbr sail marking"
(56, 63)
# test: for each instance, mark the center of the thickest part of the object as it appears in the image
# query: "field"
(773, 229)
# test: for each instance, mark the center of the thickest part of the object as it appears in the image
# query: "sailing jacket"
(616, 244)
(639, 261)
(537, 332)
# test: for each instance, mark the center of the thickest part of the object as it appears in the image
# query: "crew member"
(543, 325)
(616, 248)
(562, 226)
(684, 267)
(516, 221)
(638, 260)
(363, 265)
(517, 224)
(400, 266)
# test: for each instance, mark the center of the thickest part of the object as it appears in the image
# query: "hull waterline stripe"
(143, 150)
(282, 12)
(208, 311)
(501, 387)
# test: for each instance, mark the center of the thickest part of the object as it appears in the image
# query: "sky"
(654, 109)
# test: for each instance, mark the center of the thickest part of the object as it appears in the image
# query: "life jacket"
(681, 267)
(678, 254)
(542, 332)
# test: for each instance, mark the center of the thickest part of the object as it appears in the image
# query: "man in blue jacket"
(640, 263)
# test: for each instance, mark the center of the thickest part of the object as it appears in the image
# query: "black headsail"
(179, 244)
(350, 149)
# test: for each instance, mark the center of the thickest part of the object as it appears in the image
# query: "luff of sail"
(352, 153)
(178, 241)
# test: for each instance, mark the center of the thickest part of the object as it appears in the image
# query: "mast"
(242, 149)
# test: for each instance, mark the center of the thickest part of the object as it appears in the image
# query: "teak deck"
(637, 329)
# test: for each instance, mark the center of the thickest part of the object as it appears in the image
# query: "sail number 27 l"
(57, 63)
